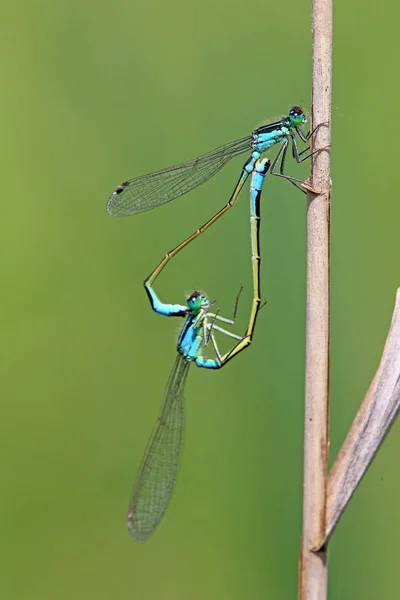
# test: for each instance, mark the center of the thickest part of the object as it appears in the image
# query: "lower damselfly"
(158, 471)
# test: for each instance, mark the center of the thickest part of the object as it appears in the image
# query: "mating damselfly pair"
(158, 471)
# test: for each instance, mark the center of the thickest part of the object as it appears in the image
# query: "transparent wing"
(159, 468)
(149, 191)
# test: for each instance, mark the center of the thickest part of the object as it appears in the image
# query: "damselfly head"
(197, 300)
(297, 116)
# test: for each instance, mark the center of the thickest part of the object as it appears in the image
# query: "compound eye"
(296, 111)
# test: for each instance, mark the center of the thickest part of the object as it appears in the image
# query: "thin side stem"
(376, 415)
(313, 561)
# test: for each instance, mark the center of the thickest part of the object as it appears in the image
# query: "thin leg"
(282, 156)
(204, 333)
(224, 319)
(282, 150)
(209, 363)
(296, 154)
(236, 304)
(309, 135)
(304, 151)
(213, 327)
(210, 326)
(216, 349)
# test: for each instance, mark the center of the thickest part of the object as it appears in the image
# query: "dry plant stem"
(370, 427)
(313, 563)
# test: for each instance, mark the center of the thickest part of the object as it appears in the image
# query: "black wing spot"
(121, 187)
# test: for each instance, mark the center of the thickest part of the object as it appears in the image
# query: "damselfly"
(148, 191)
(159, 468)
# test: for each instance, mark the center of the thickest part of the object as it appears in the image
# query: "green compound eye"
(297, 116)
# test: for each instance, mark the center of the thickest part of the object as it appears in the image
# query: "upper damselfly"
(149, 191)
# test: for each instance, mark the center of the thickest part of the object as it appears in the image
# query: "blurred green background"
(95, 93)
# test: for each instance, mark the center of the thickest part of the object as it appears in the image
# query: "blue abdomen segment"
(259, 175)
(169, 310)
(189, 346)
(207, 363)
(257, 181)
(189, 340)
